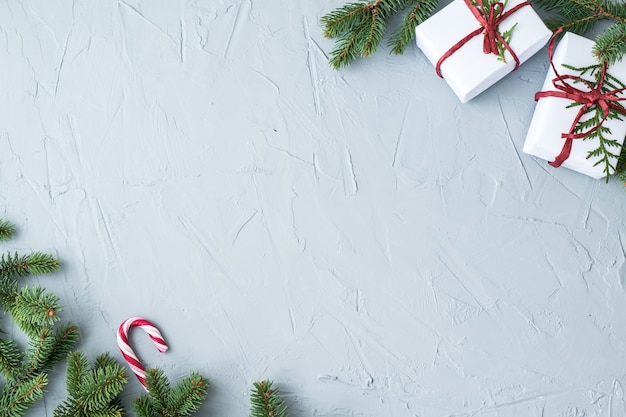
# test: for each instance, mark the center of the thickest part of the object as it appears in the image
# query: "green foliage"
(418, 12)
(266, 401)
(92, 391)
(19, 394)
(6, 230)
(506, 35)
(35, 312)
(603, 155)
(10, 357)
(611, 44)
(37, 263)
(576, 16)
(182, 400)
(579, 16)
(359, 27)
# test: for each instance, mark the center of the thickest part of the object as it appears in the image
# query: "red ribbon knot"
(594, 96)
(489, 19)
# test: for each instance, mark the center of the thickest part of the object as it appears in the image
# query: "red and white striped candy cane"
(127, 351)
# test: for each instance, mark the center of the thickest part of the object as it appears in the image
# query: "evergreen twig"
(6, 230)
(37, 263)
(593, 116)
(182, 400)
(35, 312)
(92, 392)
(359, 27)
(266, 401)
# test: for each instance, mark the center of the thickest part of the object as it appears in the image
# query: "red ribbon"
(594, 97)
(489, 19)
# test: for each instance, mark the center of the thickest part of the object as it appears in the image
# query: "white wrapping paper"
(469, 71)
(552, 118)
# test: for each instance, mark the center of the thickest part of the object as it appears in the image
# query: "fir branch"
(36, 263)
(376, 29)
(143, 407)
(266, 401)
(10, 357)
(182, 400)
(610, 45)
(65, 338)
(40, 349)
(102, 386)
(187, 396)
(6, 230)
(33, 308)
(77, 368)
(421, 10)
(345, 52)
(92, 392)
(158, 388)
(359, 27)
(16, 400)
(341, 21)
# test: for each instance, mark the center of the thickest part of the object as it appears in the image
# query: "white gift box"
(552, 118)
(469, 71)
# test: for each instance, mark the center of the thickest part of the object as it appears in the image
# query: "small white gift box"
(469, 71)
(552, 118)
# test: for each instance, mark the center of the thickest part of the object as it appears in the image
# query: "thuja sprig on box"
(579, 121)
(608, 151)
(359, 27)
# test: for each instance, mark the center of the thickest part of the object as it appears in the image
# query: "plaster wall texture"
(359, 237)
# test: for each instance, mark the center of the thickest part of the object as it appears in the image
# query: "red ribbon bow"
(593, 97)
(489, 19)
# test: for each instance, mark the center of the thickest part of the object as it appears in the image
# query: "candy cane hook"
(127, 351)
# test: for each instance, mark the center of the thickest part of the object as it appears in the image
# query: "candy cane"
(127, 351)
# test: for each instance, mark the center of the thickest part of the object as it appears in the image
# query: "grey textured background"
(359, 237)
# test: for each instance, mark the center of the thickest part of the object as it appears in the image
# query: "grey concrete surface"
(360, 237)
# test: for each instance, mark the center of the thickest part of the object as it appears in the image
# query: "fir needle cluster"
(35, 312)
(92, 391)
(266, 401)
(162, 400)
(359, 27)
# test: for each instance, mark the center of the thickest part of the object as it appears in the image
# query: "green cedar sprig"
(607, 153)
(92, 391)
(266, 401)
(182, 400)
(359, 27)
